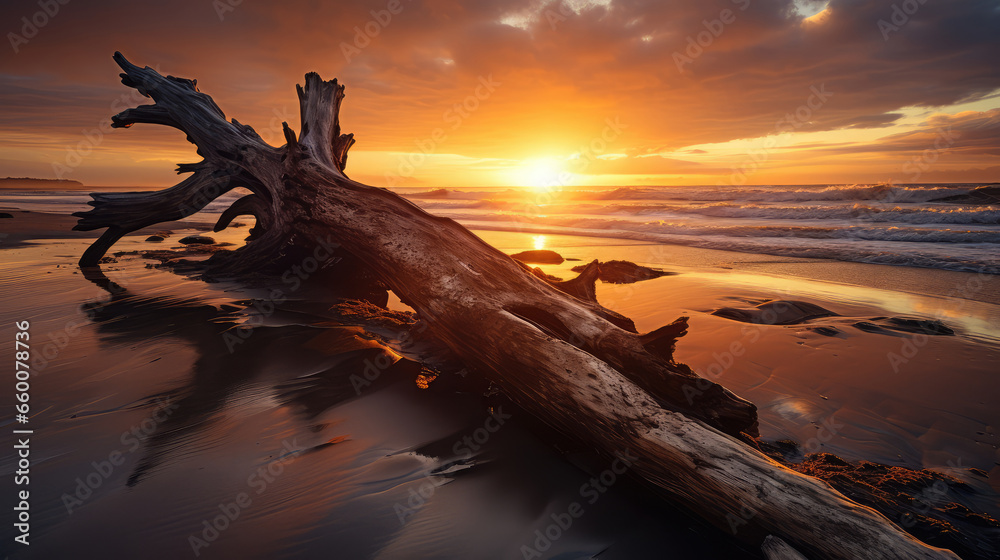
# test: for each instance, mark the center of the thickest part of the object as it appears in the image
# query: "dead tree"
(581, 369)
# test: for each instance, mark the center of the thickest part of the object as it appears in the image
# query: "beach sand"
(151, 419)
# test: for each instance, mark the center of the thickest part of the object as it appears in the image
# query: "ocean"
(897, 225)
(906, 225)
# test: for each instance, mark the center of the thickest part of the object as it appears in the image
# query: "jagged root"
(584, 286)
(319, 107)
(227, 149)
(661, 341)
(123, 213)
(249, 205)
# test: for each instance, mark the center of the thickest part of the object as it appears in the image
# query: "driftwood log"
(581, 369)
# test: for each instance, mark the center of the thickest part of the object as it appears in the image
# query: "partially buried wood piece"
(580, 368)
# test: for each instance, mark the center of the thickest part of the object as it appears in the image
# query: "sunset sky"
(578, 93)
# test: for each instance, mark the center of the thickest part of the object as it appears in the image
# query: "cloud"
(564, 69)
(968, 133)
(873, 121)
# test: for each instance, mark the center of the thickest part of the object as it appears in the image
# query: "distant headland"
(33, 183)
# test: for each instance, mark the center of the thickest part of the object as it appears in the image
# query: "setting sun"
(541, 174)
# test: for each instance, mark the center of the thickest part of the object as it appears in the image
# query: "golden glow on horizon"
(538, 241)
(540, 174)
(794, 157)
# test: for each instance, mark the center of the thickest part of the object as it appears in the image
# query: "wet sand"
(153, 416)
(918, 401)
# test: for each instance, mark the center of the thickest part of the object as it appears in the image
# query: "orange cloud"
(561, 70)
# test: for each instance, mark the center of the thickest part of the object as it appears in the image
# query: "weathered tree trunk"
(580, 368)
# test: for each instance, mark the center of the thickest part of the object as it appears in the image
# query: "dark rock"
(197, 240)
(869, 327)
(826, 331)
(779, 312)
(541, 256)
(920, 326)
(895, 325)
(155, 238)
(5, 215)
(624, 272)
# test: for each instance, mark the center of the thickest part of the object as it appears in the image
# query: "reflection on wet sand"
(236, 413)
(334, 357)
(333, 364)
(248, 397)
